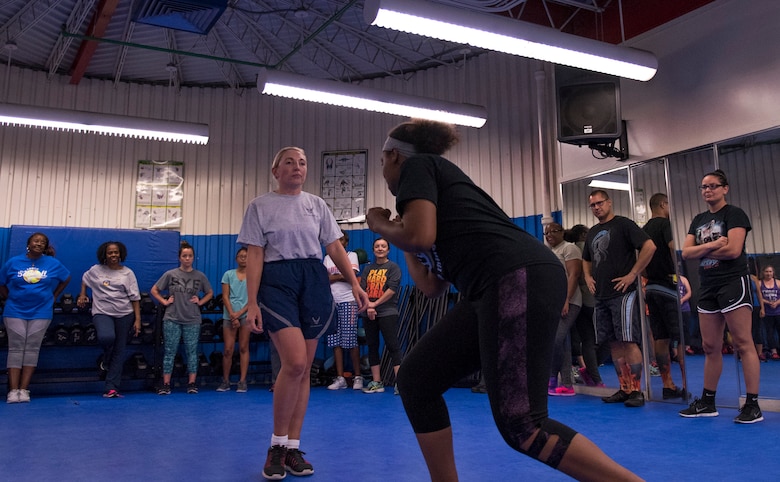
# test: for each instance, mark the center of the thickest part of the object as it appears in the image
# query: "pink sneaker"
(564, 391)
(586, 377)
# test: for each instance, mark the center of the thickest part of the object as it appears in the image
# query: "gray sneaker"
(241, 388)
(357, 383)
(224, 386)
(374, 387)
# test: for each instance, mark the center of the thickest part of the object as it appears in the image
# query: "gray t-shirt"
(113, 290)
(566, 251)
(289, 226)
(183, 286)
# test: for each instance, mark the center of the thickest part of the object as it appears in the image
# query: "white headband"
(404, 148)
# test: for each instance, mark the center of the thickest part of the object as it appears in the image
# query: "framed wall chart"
(344, 184)
(158, 194)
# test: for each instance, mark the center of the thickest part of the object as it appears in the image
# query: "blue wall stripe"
(215, 254)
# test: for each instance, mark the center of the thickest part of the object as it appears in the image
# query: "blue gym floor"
(351, 436)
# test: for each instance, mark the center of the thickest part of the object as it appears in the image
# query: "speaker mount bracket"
(615, 148)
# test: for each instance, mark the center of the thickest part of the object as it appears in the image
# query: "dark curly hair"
(426, 136)
(101, 251)
(48, 249)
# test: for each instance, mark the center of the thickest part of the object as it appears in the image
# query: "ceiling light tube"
(617, 186)
(285, 84)
(108, 124)
(503, 34)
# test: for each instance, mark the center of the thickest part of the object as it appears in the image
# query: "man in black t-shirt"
(661, 293)
(611, 268)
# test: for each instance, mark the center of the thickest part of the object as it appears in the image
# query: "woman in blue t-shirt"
(234, 325)
(30, 283)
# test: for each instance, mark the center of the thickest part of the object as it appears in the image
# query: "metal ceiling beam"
(213, 43)
(244, 18)
(313, 35)
(97, 28)
(245, 31)
(77, 17)
(371, 49)
(174, 62)
(127, 34)
(26, 18)
(590, 5)
(161, 49)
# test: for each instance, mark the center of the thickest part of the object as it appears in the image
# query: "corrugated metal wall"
(753, 174)
(64, 179)
(685, 172)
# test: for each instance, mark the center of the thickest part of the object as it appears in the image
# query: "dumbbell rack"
(70, 366)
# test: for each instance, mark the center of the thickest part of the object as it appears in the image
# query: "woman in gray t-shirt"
(115, 308)
(182, 315)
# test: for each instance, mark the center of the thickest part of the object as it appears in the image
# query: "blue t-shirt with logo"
(31, 284)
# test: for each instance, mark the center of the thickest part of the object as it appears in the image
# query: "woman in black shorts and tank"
(716, 237)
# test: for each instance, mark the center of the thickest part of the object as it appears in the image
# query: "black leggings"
(508, 334)
(388, 325)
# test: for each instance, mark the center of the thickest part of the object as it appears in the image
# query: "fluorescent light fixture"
(617, 186)
(108, 124)
(285, 84)
(503, 34)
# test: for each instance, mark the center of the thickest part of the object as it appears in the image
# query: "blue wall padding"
(149, 253)
(214, 254)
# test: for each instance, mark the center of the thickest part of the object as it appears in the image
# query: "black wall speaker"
(588, 106)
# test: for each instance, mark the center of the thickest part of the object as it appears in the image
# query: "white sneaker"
(338, 384)
(13, 396)
(357, 383)
(24, 395)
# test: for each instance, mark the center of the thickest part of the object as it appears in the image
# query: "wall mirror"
(752, 164)
(630, 189)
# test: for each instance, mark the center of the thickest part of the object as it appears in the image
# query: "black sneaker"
(164, 389)
(618, 397)
(749, 414)
(296, 464)
(676, 392)
(274, 463)
(192, 389)
(635, 399)
(699, 409)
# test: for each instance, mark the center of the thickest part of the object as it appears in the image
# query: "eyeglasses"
(597, 204)
(551, 231)
(711, 187)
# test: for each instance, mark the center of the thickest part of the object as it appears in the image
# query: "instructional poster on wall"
(344, 184)
(158, 194)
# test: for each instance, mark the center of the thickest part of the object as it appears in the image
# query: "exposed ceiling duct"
(196, 16)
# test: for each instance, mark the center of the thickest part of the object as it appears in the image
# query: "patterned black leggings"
(508, 334)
